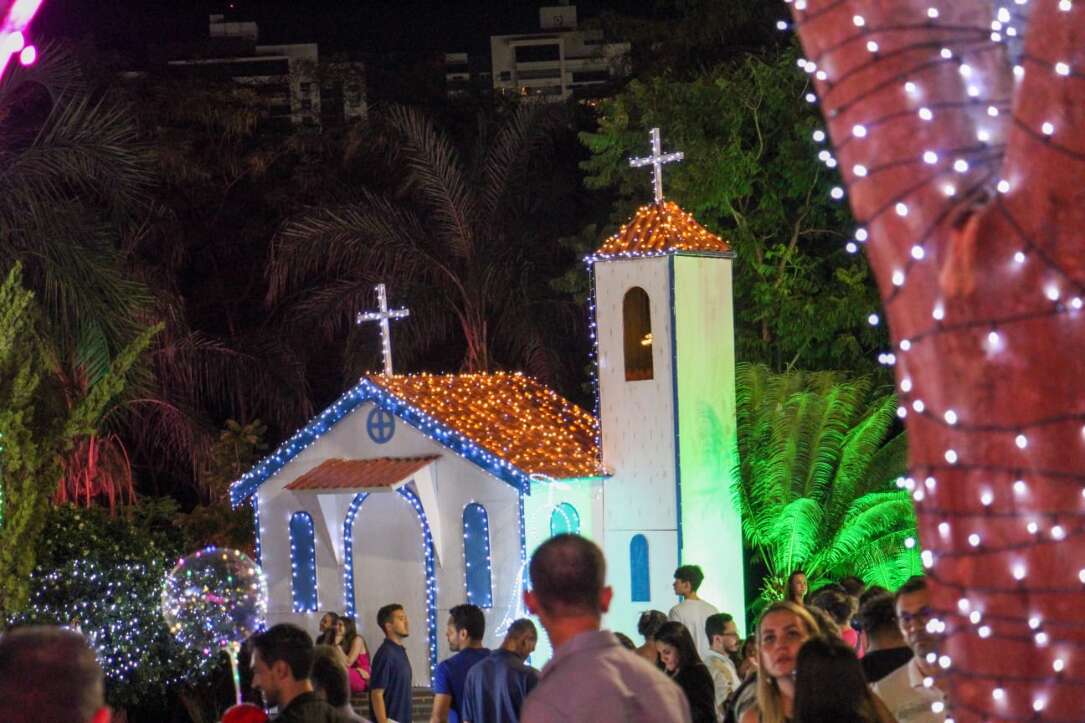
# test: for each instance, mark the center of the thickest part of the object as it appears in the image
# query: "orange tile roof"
(659, 229)
(510, 415)
(348, 474)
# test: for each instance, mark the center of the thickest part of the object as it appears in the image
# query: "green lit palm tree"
(453, 235)
(816, 478)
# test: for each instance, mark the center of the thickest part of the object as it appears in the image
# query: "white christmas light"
(1058, 664)
(944, 661)
(1018, 572)
(998, 694)
(909, 542)
(1021, 441)
(901, 209)
(973, 91)
(872, 46)
(975, 616)
(1003, 15)
(1062, 68)
(850, 247)
(1019, 487)
(1065, 5)
(925, 114)
(837, 193)
(992, 111)
(951, 456)
(984, 631)
(939, 312)
(994, 339)
(983, 135)
(781, 25)
(946, 53)
(905, 344)
(1019, 257)
(943, 529)
(821, 75)
(906, 384)
(1032, 528)
(1041, 638)
(918, 253)
(928, 561)
(902, 413)
(1047, 128)
(859, 21)
(819, 136)
(932, 13)
(1003, 186)
(1075, 303)
(930, 157)
(872, 319)
(1058, 532)
(965, 70)
(1019, 71)
(950, 416)
(898, 278)
(1051, 291)
(918, 406)
(861, 234)
(1038, 704)
(910, 88)
(859, 170)
(824, 155)
(949, 189)
(858, 130)
(811, 98)
(987, 498)
(960, 165)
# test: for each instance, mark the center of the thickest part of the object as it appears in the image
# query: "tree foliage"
(456, 236)
(818, 459)
(801, 300)
(39, 428)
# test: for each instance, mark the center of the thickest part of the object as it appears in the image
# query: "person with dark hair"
(496, 687)
(681, 662)
(390, 681)
(466, 626)
(692, 611)
(650, 621)
(723, 640)
(329, 678)
(50, 675)
(885, 647)
(327, 628)
(830, 687)
(841, 607)
(871, 592)
(626, 641)
(282, 659)
(796, 587)
(355, 654)
(853, 585)
(591, 677)
(903, 690)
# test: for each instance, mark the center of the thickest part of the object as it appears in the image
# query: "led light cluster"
(508, 424)
(942, 121)
(477, 562)
(303, 563)
(348, 552)
(658, 230)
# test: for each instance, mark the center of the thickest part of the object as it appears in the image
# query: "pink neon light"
(12, 40)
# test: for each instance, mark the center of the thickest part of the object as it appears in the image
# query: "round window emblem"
(380, 425)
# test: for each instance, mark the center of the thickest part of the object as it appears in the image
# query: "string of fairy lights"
(477, 560)
(303, 563)
(965, 152)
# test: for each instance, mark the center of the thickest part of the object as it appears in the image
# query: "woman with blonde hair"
(781, 631)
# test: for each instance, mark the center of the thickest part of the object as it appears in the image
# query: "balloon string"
(233, 650)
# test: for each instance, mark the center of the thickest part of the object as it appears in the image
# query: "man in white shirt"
(723, 640)
(909, 691)
(692, 611)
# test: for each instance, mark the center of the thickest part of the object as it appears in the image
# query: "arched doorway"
(390, 558)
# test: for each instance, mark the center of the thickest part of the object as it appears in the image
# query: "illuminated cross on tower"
(656, 161)
(383, 315)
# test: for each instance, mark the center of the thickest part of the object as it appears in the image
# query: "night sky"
(367, 26)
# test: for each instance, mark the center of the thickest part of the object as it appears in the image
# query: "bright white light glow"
(1019, 71)
(1003, 15)
(1018, 572)
(960, 165)
(1047, 128)
(1062, 68)
(906, 384)
(1065, 5)
(925, 114)
(781, 25)
(932, 13)
(1058, 532)
(858, 130)
(946, 53)
(901, 209)
(1051, 291)
(1032, 528)
(918, 405)
(949, 189)
(984, 631)
(898, 278)
(930, 157)
(837, 192)
(987, 498)
(992, 111)
(811, 98)
(910, 88)
(819, 136)
(939, 312)
(950, 416)
(861, 234)
(1021, 441)
(824, 155)
(1019, 257)
(859, 21)
(850, 247)
(951, 456)
(943, 529)
(1003, 186)
(965, 70)
(859, 170)
(973, 91)
(872, 46)
(918, 253)
(983, 135)
(905, 344)
(872, 319)
(1019, 487)
(998, 694)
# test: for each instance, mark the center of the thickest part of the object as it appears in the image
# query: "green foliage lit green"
(818, 462)
(39, 427)
(750, 174)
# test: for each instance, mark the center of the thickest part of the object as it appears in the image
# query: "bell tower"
(664, 326)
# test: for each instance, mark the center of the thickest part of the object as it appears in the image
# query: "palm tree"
(454, 238)
(815, 482)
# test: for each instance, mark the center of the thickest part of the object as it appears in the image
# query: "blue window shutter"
(476, 556)
(303, 562)
(564, 519)
(640, 587)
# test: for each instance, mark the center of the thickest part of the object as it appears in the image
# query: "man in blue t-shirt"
(495, 688)
(390, 681)
(466, 625)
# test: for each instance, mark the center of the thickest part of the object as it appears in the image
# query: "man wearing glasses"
(909, 691)
(723, 642)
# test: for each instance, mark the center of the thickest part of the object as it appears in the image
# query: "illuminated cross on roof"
(656, 161)
(382, 316)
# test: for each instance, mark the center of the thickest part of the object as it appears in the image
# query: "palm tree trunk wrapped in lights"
(960, 134)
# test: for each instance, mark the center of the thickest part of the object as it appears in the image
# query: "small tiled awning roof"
(350, 474)
(659, 229)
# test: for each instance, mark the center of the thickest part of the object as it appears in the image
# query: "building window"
(637, 331)
(640, 589)
(564, 520)
(303, 562)
(476, 556)
(537, 53)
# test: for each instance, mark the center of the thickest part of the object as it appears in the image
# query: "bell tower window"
(637, 332)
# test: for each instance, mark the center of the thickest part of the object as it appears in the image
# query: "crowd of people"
(844, 653)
